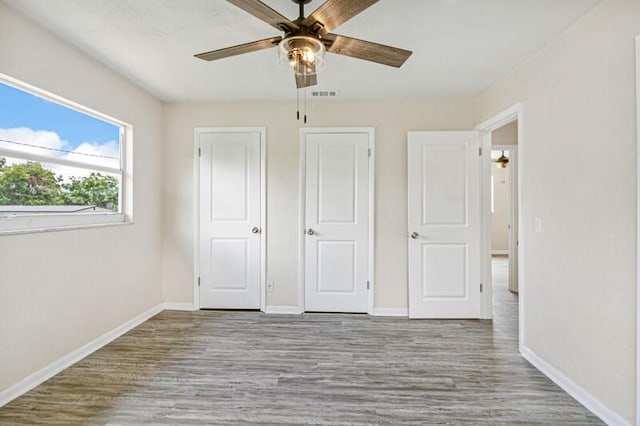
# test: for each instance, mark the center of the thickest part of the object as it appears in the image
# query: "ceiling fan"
(306, 39)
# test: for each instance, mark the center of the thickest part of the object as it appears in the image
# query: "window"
(61, 164)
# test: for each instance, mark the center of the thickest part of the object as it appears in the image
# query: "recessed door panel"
(337, 183)
(230, 268)
(230, 181)
(337, 267)
(444, 189)
(444, 273)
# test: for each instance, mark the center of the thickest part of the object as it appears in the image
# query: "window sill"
(95, 222)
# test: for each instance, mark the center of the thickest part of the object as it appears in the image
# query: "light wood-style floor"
(207, 367)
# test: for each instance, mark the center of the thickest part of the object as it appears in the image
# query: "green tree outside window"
(30, 184)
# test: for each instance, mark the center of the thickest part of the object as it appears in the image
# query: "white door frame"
(505, 117)
(638, 232)
(196, 207)
(302, 207)
(513, 195)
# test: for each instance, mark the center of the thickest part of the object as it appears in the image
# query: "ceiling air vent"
(324, 93)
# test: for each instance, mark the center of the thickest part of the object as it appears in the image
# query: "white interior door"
(444, 224)
(230, 219)
(337, 221)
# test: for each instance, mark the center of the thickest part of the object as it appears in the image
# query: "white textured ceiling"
(459, 46)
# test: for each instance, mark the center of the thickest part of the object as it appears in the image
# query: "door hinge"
(199, 152)
(198, 281)
(480, 287)
(368, 285)
(369, 152)
(480, 151)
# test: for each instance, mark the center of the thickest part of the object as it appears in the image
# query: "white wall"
(60, 290)
(578, 105)
(392, 120)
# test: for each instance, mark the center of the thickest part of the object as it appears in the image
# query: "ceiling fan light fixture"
(304, 55)
(502, 161)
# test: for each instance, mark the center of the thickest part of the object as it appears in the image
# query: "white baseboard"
(500, 252)
(583, 397)
(178, 306)
(68, 360)
(390, 312)
(283, 310)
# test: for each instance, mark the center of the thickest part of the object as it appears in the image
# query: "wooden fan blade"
(239, 49)
(266, 14)
(367, 50)
(333, 13)
(308, 80)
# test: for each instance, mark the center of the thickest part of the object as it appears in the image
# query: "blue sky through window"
(31, 124)
(22, 109)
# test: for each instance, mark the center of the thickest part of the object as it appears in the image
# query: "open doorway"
(510, 121)
(504, 223)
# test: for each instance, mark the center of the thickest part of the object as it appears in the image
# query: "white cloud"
(40, 138)
(45, 141)
(99, 153)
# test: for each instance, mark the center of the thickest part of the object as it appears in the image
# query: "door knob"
(311, 231)
(414, 235)
(255, 230)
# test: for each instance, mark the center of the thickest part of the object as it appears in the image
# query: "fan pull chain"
(305, 105)
(298, 104)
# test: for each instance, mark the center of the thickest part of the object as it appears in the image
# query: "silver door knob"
(311, 231)
(414, 235)
(255, 230)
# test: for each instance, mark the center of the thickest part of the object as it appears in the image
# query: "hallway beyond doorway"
(505, 303)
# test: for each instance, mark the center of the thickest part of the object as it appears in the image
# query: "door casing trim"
(370, 131)
(263, 207)
(638, 231)
(514, 113)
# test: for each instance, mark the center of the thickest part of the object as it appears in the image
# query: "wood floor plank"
(216, 367)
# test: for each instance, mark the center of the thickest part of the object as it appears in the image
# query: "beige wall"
(578, 105)
(505, 135)
(391, 119)
(60, 290)
(500, 216)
